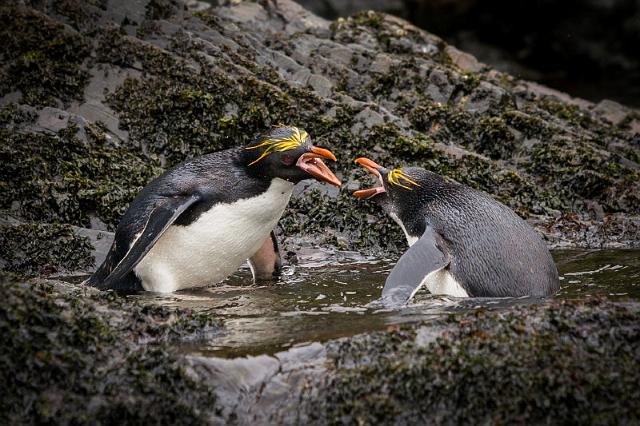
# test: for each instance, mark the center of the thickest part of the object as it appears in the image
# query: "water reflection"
(611, 273)
(320, 300)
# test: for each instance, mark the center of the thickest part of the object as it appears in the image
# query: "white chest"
(442, 282)
(216, 244)
(411, 240)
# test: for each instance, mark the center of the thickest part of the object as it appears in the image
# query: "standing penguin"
(462, 242)
(199, 221)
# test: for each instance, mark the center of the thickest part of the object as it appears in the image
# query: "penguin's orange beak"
(375, 169)
(311, 162)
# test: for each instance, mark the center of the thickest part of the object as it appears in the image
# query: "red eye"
(287, 160)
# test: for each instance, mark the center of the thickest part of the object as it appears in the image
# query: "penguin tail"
(97, 278)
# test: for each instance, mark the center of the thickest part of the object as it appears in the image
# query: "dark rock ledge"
(98, 97)
(74, 355)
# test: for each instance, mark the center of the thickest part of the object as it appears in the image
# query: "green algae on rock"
(40, 58)
(40, 249)
(76, 356)
(177, 112)
(180, 85)
(138, 93)
(568, 362)
(315, 214)
(563, 361)
(67, 176)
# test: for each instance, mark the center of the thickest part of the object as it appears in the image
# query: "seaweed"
(67, 178)
(570, 362)
(222, 84)
(41, 249)
(73, 357)
(41, 58)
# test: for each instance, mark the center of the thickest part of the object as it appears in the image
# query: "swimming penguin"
(462, 242)
(199, 221)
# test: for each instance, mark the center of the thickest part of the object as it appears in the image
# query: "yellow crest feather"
(395, 175)
(281, 143)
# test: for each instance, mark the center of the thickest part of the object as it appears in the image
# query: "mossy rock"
(565, 363)
(202, 83)
(69, 177)
(69, 357)
(39, 249)
(41, 58)
(495, 138)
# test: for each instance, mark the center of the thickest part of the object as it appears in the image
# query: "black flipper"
(426, 255)
(161, 217)
(266, 264)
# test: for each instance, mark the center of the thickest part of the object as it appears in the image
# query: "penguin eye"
(287, 160)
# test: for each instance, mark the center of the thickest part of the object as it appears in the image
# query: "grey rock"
(611, 111)
(462, 60)
(101, 241)
(485, 97)
(356, 76)
(53, 119)
(11, 98)
(366, 119)
(382, 64)
(321, 85)
(439, 88)
(104, 79)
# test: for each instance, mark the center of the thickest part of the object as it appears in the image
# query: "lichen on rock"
(38, 249)
(76, 356)
(571, 362)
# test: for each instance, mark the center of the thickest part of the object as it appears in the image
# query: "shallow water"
(321, 300)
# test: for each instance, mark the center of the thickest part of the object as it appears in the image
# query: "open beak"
(311, 163)
(375, 169)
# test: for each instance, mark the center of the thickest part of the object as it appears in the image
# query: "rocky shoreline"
(558, 363)
(76, 355)
(96, 98)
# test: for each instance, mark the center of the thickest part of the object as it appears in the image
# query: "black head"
(286, 152)
(402, 190)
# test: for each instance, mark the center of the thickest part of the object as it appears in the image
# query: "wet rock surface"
(81, 354)
(34, 249)
(97, 98)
